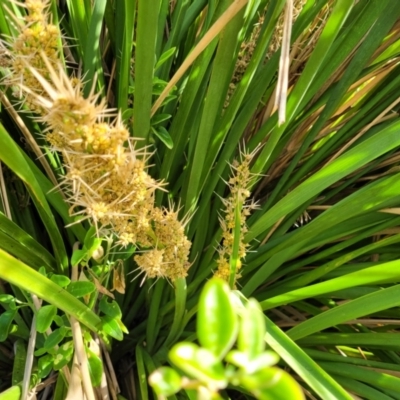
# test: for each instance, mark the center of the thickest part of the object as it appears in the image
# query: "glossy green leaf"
(96, 251)
(110, 308)
(198, 363)
(272, 384)
(217, 322)
(252, 330)
(81, 288)
(7, 299)
(90, 237)
(111, 327)
(78, 256)
(6, 319)
(60, 280)
(157, 119)
(164, 136)
(165, 381)
(45, 365)
(251, 365)
(63, 355)
(44, 317)
(95, 368)
(59, 321)
(55, 338)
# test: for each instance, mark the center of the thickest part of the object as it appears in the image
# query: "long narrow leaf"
(19, 274)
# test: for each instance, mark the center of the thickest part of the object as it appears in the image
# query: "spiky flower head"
(239, 185)
(37, 35)
(107, 180)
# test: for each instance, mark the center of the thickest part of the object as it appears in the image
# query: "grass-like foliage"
(199, 199)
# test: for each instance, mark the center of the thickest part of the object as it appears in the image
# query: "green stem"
(180, 308)
(152, 323)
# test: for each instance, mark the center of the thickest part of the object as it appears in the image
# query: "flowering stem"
(234, 258)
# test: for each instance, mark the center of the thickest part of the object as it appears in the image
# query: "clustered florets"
(239, 185)
(106, 179)
(37, 35)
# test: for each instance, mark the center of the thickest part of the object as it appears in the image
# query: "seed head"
(239, 185)
(37, 35)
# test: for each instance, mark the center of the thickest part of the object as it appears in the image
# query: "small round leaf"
(44, 317)
(81, 288)
(55, 338)
(61, 280)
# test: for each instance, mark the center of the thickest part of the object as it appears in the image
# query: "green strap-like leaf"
(387, 139)
(14, 159)
(383, 273)
(19, 274)
(365, 305)
(303, 365)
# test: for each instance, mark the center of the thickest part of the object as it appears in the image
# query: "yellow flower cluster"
(106, 179)
(172, 245)
(239, 185)
(37, 35)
